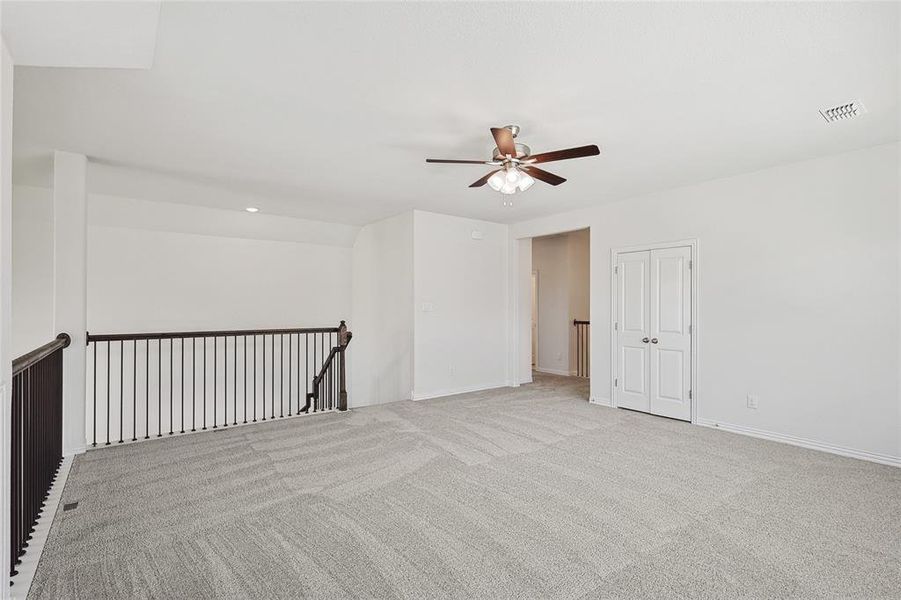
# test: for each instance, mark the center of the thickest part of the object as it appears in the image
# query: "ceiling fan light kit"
(517, 172)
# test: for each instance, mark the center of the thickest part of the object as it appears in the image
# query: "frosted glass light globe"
(525, 182)
(497, 181)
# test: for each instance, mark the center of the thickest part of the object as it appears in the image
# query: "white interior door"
(670, 363)
(633, 324)
(653, 331)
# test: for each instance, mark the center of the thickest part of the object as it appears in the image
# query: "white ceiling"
(328, 110)
(81, 34)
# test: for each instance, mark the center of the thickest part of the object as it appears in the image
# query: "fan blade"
(484, 179)
(503, 137)
(459, 162)
(563, 154)
(543, 175)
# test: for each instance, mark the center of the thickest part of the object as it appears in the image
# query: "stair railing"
(150, 385)
(329, 385)
(36, 433)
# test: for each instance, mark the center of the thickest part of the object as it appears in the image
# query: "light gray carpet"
(513, 493)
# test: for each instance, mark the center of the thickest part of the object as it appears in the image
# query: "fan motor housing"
(522, 151)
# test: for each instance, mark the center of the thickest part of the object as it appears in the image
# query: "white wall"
(32, 298)
(550, 258)
(156, 266)
(798, 297)
(562, 263)
(163, 281)
(6, 275)
(460, 301)
(381, 354)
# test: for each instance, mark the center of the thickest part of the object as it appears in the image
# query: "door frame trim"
(692, 243)
(535, 306)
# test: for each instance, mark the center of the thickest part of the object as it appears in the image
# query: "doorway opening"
(560, 331)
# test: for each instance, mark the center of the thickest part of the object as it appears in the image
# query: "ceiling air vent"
(843, 111)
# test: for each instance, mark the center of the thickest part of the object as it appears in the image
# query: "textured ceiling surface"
(327, 111)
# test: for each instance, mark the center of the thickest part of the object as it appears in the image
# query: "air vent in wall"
(843, 111)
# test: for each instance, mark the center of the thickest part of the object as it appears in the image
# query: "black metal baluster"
(134, 392)
(254, 378)
(171, 377)
(263, 344)
(147, 390)
(281, 376)
(159, 387)
(272, 383)
(215, 380)
(182, 396)
(107, 392)
(245, 379)
(94, 443)
(121, 384)
(193, 383)
(290, 369)
(235, 387)
(225, 381)
(204, 384)
(315, 372)
(306, 365)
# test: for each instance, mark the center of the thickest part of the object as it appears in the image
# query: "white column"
(70, 288)
(6, 139)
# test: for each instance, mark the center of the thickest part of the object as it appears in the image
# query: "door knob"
(654, 340)
(645, 340)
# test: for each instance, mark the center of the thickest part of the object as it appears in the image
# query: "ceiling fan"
(517, 170)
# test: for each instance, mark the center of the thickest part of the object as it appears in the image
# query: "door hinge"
(689, 394)
(616, 270)
(615, 382)
(689, 330)
(615, 326)
(690, 263)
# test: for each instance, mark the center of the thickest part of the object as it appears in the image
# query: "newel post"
(343, 339)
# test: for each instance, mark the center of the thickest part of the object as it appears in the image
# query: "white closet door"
(633, 323)
(670, 319)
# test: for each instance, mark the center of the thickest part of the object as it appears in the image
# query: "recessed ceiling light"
(843, 111)
(252, 209)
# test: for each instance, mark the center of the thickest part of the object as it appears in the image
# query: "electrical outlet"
(752, 401)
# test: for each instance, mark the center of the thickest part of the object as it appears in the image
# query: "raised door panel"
(632, 387)
(670, 320)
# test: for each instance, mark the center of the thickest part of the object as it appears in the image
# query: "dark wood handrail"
(578, 322)
(325, 365)
(38, 354)
(118, 337)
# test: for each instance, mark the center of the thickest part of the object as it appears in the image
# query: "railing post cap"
(65, 337)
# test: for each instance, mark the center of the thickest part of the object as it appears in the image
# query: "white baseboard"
(601, 401)
(885, 459)
(455, 391)
(21, 583)
(553, 371)
(73, 452)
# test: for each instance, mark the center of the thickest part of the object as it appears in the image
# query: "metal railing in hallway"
(583, 348)
(150, 385)
(36, 433)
